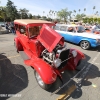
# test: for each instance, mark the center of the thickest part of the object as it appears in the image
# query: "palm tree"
(74, 12)
(47, 16)
(93, 9)
(79, 11)
(56, 14)
(96, 13)
(70, 13)
(43, 13)
(50, 12)
(84, 10)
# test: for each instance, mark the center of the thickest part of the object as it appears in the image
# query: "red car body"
(39, 48)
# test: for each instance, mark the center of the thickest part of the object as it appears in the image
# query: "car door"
(23, 37)
(70, 34)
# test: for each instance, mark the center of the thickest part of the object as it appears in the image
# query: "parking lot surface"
(17, 81)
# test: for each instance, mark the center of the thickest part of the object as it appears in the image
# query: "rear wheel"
(85, 45)
(40, 81)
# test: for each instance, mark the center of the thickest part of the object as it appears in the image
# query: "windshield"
(80, 29)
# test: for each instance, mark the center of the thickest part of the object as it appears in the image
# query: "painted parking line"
(67, 93)
(10, 57)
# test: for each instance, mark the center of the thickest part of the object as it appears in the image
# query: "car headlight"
(74, 52)
(57, 62)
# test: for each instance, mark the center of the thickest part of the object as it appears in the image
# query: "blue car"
(77, 34)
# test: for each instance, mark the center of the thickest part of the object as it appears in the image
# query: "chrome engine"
(58, 57)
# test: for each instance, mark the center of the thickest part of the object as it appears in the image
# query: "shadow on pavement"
(95, 49)
(13, 78)
(92, 73)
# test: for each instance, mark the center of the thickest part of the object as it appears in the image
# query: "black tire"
(40, 81)
(16, 47)
(85, 45)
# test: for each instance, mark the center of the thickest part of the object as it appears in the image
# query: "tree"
(96, 13)
(98, 20)
(70, 13)
(84, 10)
(43, 13)
(23, 13)
(38, 16)
(74, 12)
(55, 14)
(80, 17)
(30, 16)
(95, 20)
(63, 14)
(90, 20)
(50, 13)
(85, 20)
(79, 11)
(93, 9)
(3, 13)
(11, 10)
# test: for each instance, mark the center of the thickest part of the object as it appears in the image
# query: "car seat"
(34, 31)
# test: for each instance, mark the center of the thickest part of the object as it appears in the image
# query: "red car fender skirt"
(78, 58)
(79, 54)
(46, 72)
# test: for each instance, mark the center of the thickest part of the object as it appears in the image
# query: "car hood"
(49, 37)
(89, 35)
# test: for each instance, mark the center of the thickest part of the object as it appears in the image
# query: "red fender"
(79, 54)
(46, 71)
(74, 61)
(18, 44)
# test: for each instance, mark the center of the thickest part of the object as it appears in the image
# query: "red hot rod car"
(46, 50)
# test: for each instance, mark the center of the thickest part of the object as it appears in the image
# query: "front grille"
(63, 56)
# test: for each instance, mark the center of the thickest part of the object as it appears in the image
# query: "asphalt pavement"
(17, 81)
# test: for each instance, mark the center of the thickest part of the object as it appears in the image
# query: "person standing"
(93, 28)
(12, 28)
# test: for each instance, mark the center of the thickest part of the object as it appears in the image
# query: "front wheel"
(85, 45)
(40, 81)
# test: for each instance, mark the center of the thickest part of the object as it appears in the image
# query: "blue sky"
(36, 7)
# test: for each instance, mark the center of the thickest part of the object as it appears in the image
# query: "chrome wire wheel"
(39, 80)
(85, 45)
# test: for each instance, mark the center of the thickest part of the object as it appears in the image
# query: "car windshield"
(80, 29)
(60, 28)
